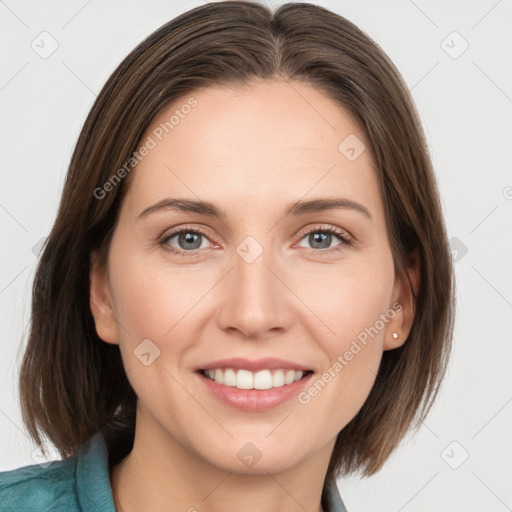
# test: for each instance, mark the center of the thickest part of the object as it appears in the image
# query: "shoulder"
(39, 488)
(75, 484)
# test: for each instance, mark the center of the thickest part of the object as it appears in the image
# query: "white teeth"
(245, 379)
(289, 377)
(229, 378)
(278, 379)
(263, 380)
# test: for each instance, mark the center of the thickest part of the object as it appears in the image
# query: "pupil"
(190, 238)
(324, 239)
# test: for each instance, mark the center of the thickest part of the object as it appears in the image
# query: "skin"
(252, 151)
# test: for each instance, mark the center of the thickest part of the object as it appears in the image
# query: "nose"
(255, 301)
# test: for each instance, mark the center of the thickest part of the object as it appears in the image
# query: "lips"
(255, 365)
(254, 400)
(254, 385)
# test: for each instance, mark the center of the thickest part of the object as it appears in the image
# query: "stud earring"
(395, 335)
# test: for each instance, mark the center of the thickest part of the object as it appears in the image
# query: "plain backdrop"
(455, 58)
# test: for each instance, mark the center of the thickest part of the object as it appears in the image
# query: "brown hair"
(72, 383)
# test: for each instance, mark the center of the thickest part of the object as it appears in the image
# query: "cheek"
(153, 300)
(353, 308)
(348, 302)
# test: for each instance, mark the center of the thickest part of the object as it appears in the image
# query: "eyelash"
(344, 239)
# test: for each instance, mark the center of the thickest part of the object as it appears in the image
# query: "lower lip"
(254, 400)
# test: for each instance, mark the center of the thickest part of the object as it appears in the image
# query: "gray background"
(460, 459)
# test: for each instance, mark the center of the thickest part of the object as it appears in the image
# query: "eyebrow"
(295, 209)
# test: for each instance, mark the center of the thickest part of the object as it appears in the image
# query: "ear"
(403, 300)
(101, 302)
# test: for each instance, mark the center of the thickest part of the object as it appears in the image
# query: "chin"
(243, 456)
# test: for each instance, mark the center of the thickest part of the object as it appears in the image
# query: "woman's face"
(275, 276)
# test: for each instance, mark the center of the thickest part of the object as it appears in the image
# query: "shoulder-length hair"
(72, 384)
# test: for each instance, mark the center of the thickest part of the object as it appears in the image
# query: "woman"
(247, 291)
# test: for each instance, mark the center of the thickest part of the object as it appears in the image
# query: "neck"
(161, 473)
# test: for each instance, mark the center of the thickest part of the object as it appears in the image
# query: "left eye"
(322, 238)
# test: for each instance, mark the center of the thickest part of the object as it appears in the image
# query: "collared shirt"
(82, 484)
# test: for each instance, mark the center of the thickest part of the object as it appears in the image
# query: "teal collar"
(92, 477)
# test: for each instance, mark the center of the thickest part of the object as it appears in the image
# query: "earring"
(395, 335)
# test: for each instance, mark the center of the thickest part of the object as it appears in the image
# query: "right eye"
(189, 241)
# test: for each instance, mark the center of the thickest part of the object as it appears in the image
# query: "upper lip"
(266, 363)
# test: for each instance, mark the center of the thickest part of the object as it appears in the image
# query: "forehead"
(273, 139)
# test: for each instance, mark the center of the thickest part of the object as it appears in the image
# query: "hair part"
(73, 384)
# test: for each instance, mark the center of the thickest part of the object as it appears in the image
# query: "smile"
(253, 391)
